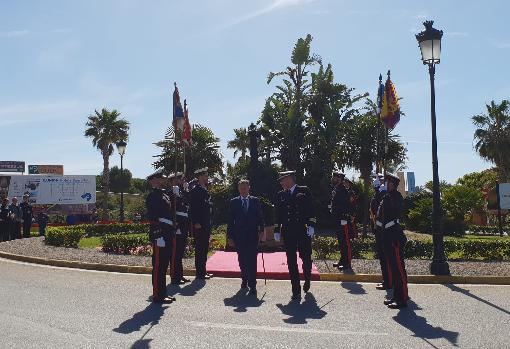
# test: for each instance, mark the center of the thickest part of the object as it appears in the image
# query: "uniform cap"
(159, 173)
(382, 188)
(338, 174)
(179, 175)
(201, 171)
(393, 177)
(282, 175)
(171, 175)
(347, 180)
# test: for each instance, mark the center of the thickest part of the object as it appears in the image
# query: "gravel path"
(35, 247)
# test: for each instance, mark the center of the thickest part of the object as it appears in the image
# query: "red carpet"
(225, 264)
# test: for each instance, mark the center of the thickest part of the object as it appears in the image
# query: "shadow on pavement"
(353, 288)
(242, 301)
(189, 290)
(150, 315)
(469, 294)
(299, 313)
(421, 328)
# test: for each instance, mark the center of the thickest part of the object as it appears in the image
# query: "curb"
(421, 279)
(413, 279)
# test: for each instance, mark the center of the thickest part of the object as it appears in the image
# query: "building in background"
(410, 182)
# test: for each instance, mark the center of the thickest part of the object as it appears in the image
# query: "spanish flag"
(178, 114)
(390, 111)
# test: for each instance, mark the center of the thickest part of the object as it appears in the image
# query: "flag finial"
(380, 78)
(389, 73)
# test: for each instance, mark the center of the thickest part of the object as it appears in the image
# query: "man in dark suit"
(245, 229)
(296, 224)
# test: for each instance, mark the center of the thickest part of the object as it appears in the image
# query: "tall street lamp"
(429, 41)
(121, 147)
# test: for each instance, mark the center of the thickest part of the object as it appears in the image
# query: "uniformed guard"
(181, 229)
(380, 191)
(296, 224)
(393, 237)
(200, 214)
(161, 234)
(352, 204)
(27, 215)
(341, 211)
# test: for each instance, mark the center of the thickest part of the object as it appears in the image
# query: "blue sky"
(62, 59)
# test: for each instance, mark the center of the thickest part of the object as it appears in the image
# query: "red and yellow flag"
(390, 111)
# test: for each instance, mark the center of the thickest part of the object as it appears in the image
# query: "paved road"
(45, 307)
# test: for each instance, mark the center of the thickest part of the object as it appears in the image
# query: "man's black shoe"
(397, 305)
(337, 265)
(388, 301)
(306, 286)
(166, 300)
(382, 287)
(253, 292)
(185, 280)
(345, 268)
(244, 285)
(209, 275)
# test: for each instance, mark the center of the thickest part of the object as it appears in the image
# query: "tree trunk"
(106, 182)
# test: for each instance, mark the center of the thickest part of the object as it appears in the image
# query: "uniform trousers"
(160, 261)
(176, 267)
(202, 236)
(394, 241)
(296, 240)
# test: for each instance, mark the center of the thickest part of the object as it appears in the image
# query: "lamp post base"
(439, 268)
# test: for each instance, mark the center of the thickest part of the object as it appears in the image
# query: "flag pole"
(379, 122)
(184, 145)
(385, 162)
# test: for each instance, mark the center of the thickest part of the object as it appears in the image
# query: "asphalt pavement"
(46, 307)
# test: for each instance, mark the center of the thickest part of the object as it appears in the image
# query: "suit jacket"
(243, 227)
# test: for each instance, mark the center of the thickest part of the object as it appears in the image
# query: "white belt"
(389, 224)
(342, 222)
(166, 221)
(182, 214)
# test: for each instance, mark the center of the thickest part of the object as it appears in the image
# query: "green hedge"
(325, 247)
(123, 244)
(486, 230)
(64, 236)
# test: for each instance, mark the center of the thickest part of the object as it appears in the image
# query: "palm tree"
(106, 128)
(241, 143)
(204, 152)
(492, 137)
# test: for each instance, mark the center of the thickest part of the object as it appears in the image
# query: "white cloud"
(13, 33)
(273, 6)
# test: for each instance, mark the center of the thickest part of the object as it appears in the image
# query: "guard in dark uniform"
(5, 220)
(380, 191)
(352, 206)
(159, 211)
(27, 214)
(388, 220)
(341, 211)
(181, 229)
(200, 214)
(296, 224)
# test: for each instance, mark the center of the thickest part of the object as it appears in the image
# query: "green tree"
(120, 181)
(106, 128)
(241, 142)
(285, 109)
(138, 186)
(205, 152)
(492, 137)
(460, 201)
(483, 180)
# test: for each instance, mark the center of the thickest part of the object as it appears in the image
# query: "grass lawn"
(425, 237)
(92, 242)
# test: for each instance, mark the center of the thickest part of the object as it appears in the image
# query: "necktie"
(245, 205)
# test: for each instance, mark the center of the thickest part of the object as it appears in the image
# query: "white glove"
(310, 231)
(276, 236)
(176, 190)
(160, 242)
(178, 232)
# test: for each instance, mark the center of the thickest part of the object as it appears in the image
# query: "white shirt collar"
(293, 188)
